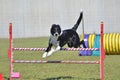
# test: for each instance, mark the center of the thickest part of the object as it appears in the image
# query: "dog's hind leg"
(83, 43)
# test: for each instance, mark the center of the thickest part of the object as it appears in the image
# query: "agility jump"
(17, 74)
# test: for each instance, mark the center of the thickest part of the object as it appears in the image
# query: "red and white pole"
(10, 49)
(102, 53)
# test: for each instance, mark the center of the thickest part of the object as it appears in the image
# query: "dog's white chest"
(53, 40)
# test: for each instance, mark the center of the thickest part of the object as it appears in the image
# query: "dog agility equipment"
(111, 42)
(17, 74)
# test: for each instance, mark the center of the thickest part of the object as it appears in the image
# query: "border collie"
(59, 38)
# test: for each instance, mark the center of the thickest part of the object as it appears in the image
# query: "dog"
(59, 38)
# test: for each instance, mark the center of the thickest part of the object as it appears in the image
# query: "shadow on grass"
(62, 78)
(69, 78)
(6, 78)
(58, 78)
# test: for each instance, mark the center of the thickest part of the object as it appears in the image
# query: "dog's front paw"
(50, 52)
(44, 55)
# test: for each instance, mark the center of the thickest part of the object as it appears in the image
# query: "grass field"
(54, 71)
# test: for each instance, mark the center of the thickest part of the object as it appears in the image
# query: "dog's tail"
(78, 21)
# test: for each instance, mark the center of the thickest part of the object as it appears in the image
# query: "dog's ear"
(53, 25)
(51, 29)
(59, 28)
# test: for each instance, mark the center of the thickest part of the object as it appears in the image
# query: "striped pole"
(64, 49)
(57, 61)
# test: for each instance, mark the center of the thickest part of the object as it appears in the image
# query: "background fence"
(33, 18)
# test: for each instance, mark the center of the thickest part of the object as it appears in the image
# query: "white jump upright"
(17, 74)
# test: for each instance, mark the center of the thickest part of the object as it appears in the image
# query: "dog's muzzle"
(56, 34)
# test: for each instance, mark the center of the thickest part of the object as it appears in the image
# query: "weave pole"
(100, 62)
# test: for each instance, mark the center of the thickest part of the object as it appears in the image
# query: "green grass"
(54, 71)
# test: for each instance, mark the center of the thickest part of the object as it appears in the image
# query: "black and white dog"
(59, 38)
